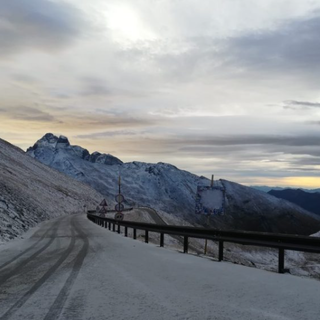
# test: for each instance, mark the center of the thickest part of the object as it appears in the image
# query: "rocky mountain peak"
(49, 144)
(49, 137)
(62, 142)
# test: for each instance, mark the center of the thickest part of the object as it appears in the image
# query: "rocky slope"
(31, 192)
(171, 191)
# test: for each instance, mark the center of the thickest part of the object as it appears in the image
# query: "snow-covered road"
(70, 268)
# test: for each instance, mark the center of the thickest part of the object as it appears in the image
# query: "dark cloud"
(250, 140)
(27, 114)
(236, 152)
(306, 161)
(298, 105)
(303, 103)
(231, 148)
(292, 49)
(37, 24)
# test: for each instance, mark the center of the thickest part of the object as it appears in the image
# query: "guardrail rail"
(281, 242)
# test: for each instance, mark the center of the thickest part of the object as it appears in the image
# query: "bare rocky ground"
(31, 192)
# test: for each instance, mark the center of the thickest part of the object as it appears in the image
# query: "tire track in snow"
(30, 248)
(56, 308)
(43, 279)
(6, 276)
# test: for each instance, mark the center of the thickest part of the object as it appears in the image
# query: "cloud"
(26, 114)
(314, 122)
(106, 134)
(201, 94)
(292, 49)
(92, 86)
(292, 104)
(38, 24)
(97, 90)
(242, 140)
(92, 120)
(24, 78)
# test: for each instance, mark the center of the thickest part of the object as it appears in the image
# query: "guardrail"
(281, 242)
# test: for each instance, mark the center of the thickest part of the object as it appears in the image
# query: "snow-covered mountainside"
(172, 191)
(31, 192)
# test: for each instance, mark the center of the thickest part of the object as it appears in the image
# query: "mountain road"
(69, 268)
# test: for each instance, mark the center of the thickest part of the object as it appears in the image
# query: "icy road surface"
(70, 268)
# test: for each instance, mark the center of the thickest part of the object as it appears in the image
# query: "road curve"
(73, 269)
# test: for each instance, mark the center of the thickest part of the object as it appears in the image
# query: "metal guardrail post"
(220, 250)
(118, 228)
(134, 233)
(109, 225)
(161, 239)
(281, 261)
(185, 244)
(125, 231)
(113, 227)
(146, 239)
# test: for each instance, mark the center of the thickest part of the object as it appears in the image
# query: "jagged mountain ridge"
(172, 191)
(267, 189)
(54, 143)
(31, 192)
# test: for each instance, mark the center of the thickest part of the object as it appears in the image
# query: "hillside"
(31, 192)
(172, 192)
(306, 200)
(267, 189)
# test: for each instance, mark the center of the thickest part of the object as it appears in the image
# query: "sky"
(229, 88)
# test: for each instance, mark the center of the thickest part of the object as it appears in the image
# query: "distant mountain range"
(306, 200)
(267, 189)
(172, 192)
